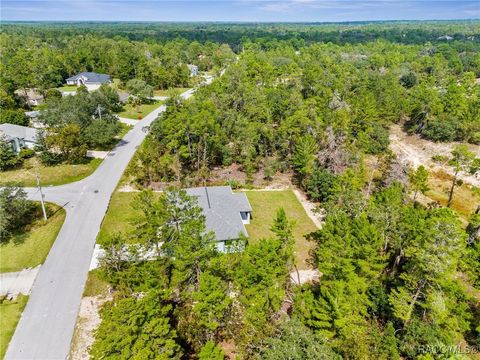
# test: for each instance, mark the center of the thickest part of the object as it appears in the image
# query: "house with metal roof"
(90, 79)
(226, 214)
(19, 136)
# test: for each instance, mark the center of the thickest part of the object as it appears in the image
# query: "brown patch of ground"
(466, 197)
(229, 348)
(235, 173)
(87, 321)
(415, 151)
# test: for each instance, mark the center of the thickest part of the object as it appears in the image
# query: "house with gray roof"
(226, 214)
(19, 136)
(90, 79)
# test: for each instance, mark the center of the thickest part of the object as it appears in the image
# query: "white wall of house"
(29, 144)
(92, 87)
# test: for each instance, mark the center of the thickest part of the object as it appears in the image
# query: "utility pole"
(41, 198)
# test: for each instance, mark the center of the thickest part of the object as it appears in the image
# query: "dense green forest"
(277, 109)
(399, 278)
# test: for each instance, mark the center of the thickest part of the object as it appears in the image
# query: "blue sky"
(238, 10)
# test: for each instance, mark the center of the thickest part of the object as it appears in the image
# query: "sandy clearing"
(87, 321)
(415, 151)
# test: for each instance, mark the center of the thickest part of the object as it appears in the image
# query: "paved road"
(46, 327)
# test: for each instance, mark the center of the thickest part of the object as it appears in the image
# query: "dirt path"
(414, 150)
(88, 320)
(310, 208)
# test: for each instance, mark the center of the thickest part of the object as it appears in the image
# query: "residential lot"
(122, 214)
(265, 205)
(49, 175)
(30, 247)
(138, 112)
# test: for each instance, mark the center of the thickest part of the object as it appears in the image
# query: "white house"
(19, 136)
(90, 79)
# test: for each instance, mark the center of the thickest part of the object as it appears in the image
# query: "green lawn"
(68, 88)
(49, 175)
(165, 92)
(10, 312)
(139, 112)
(265, 205)
(95, 285)
(119, 216)
(31, 247)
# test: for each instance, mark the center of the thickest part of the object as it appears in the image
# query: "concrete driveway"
(46, 327)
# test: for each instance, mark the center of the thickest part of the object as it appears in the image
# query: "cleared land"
(30, 248)
(10, 312)
(415, 151)
(138, 112)
(466, 197)
(265, 205)
(49, 175)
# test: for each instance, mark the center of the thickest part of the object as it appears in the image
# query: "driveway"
(20, 282)
(46, 327)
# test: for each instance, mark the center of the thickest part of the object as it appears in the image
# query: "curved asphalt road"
(46, 327)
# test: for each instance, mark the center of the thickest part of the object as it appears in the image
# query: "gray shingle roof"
(222, 208)
(12, 131)
(91, 77)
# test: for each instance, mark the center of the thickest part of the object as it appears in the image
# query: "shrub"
(375, 140)
(15, 211)
(17, 117)
(53, 94)
(440, 130)
(26, 153)
(440, 158)
(319, 185)
(408, 80)
(8, 158)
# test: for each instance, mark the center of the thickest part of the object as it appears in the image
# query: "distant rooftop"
(222, 208)
(12, 131)
(91, 78)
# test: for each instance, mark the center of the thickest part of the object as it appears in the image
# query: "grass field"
(165, 92)
(31, 247)
(49, 175)
(10, 312)
(265, 205)
(119, 216)
(95, 285)
(465, 198)
(139, 112)
(68, 88)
